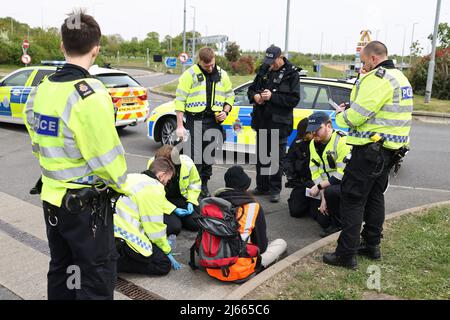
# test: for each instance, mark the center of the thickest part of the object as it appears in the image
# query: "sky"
(253, 24)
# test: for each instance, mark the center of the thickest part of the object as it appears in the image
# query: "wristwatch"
(319, 186)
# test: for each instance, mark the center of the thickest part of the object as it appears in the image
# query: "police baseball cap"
(272, 53)
(315, 121)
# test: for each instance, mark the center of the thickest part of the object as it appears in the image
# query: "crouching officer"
(205, 95)
(70, 119)
(182, 191)
(379, 119)
(274, 93)
(139, 224)
(328, 151)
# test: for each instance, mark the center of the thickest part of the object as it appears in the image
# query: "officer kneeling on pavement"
(379, 119)
(139, 224)
(274, 93)
(70, 119)
(328, 151)
(182, 191)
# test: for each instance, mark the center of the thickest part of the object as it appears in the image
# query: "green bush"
(441, 83)
(244, 66)
(223, 63)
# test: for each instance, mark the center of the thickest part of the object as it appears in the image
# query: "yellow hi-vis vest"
(73, 135)
(190, 182)
(381, 102)
(191, 91)
(139, 218)
(320, 167)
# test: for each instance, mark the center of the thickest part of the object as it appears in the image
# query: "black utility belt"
(76, 200)
(382, 148)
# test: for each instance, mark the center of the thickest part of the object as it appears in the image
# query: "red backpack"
(221, 250)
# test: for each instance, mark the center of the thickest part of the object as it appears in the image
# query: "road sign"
(189, 62)
(25, 44)
(26, 59)
(170, 62)
(183, 57)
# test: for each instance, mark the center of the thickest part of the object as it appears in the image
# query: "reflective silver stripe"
(128, 218)
(182, 190)
(389, 122)
(181, 98)
(220, 92)
(318, 180)
(69, 144)
(313, 168)
(397, 108)
(336, 142)
(337, 175)
(193, 186)
(129, 203)
(29, 108)
(159, 218)
(346, 119)
(141, 185)
(67, 174)
(107, 158)
(248, 222)
(181, 92)
(197, 93)
(57, 152)
(157, 235)
(395, 86)
(362, 111)
(340, 165)
(229, 94)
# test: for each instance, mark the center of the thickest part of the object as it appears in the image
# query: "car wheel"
(167, 131)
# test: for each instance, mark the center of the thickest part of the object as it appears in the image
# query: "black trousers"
(198, 144)
(158, 264)
(269, 181)
(300, 206)
(175, 223)
(72, 243)
(362, 199)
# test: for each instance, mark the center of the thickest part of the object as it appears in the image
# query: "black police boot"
(205, 192)
(340, 261)
(371, 252)
(275, 197)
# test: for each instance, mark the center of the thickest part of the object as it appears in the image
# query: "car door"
(238, 124)
(14, 91)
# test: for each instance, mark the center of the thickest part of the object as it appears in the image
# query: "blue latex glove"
(173, 262)
(190, 208)
(181, 212)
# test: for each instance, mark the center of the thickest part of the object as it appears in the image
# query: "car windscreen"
(117, 80)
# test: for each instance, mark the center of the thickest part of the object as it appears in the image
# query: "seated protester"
(252, 221)
(182, 191)
(296, 168)
(327, 150)
(139, 229)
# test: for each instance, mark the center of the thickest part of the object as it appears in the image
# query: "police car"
(316, 94)
(128, 96)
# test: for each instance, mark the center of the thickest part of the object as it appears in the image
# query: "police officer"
(275, 92)
(205, 95)
(379, 121)
(70, 119)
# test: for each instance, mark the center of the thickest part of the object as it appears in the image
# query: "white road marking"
(419, 188)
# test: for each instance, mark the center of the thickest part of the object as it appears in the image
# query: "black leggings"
(175, 223)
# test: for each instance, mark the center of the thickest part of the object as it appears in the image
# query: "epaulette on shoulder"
(380, 72)
(341, 133)
(84, 89)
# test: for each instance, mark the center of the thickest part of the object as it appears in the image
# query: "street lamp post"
(193, 36)
(433, 54)
(286, 41)
(403, 47)
(412, 41)
(184, 32)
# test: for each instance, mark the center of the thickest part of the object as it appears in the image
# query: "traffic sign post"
(26, 59)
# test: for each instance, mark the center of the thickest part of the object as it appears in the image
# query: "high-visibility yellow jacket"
(73, 135)
(190, 182)
(191, 91)
(321, 168)
(381, 102)
(139, 218)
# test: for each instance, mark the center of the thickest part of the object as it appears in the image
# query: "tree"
(233, 52)
(443, 35)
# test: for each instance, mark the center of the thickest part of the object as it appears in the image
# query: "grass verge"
(415, 265)
(435, 105)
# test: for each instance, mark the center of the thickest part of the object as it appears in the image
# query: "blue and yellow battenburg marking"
(12, 105)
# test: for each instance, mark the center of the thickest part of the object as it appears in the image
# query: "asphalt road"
(424, 177)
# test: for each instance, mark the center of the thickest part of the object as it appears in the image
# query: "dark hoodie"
(239, 198)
